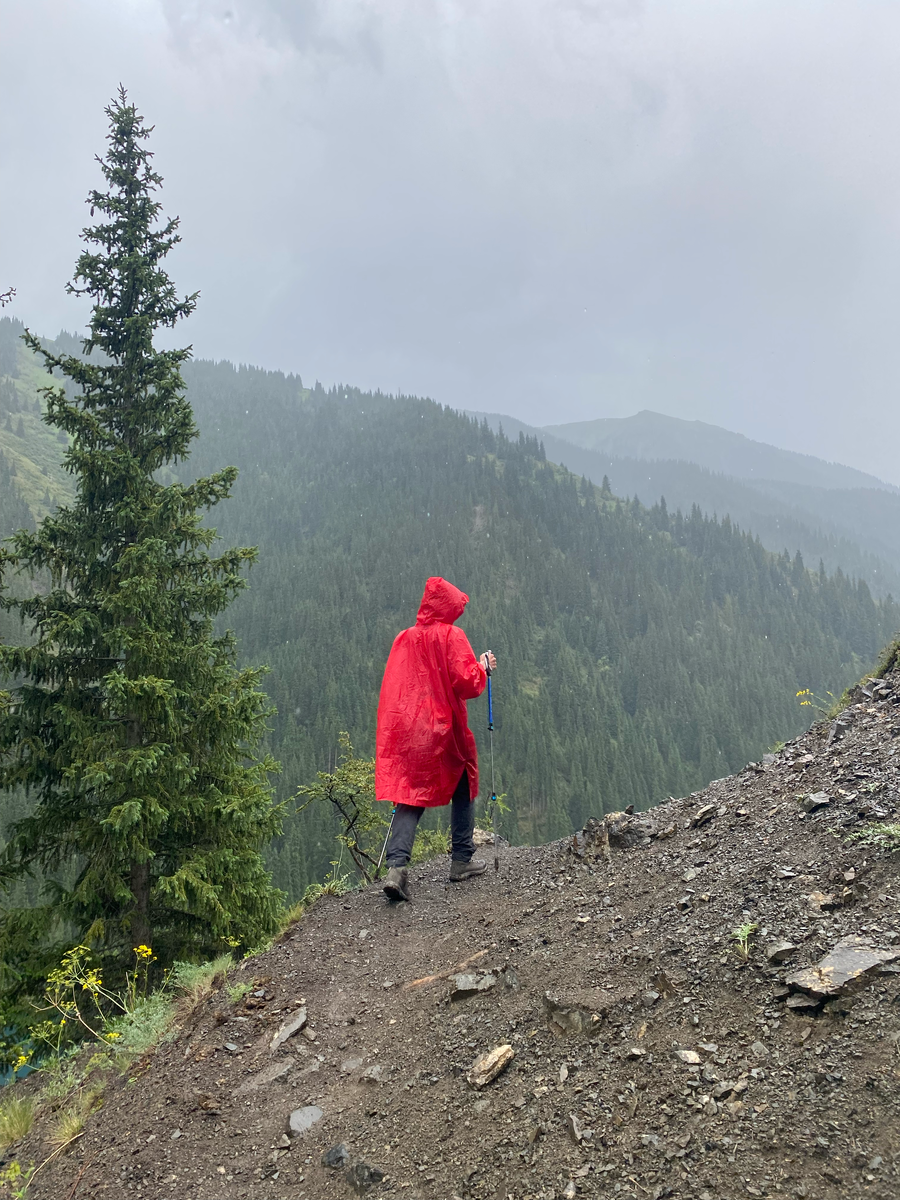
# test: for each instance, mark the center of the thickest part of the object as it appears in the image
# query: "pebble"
(691, 1057)
(336, 1157)
(488, 1066)
(362, 1176)
(302, 1119)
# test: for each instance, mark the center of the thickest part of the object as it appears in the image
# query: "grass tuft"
(237, 991)
(69, 1125)
(197, 981)
(16, 1117)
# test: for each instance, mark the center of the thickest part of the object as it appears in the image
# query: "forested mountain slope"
(856, 528)
(642, 652)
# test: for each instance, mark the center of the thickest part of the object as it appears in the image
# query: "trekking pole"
(494, 806)
(386, 836)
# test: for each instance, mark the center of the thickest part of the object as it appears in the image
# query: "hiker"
(425, 753)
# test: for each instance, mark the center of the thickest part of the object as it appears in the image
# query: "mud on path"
(650, 1059)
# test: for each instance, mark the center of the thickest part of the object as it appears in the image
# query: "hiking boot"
(460, 870)
(395, 884)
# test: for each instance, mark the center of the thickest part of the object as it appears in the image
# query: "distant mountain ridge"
(652, 435)
(847, 526)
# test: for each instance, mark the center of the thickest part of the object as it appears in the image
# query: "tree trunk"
(141, 933)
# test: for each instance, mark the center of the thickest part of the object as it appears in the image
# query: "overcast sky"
(559, 209)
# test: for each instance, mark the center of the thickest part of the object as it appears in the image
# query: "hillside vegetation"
(643, 651)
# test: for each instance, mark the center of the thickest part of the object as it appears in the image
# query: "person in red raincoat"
(425, 753)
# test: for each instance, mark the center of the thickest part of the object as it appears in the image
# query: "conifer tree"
(129, 725)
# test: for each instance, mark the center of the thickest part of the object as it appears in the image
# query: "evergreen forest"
(642, 651)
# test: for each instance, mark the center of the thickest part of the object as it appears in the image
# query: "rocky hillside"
(644, 1048)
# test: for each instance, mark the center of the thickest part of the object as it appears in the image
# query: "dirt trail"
(650, 1059)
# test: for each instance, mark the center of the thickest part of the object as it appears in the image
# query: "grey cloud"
(561, 210)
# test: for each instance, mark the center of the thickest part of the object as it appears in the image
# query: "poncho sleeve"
(467, 676)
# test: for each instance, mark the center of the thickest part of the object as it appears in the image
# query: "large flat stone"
(302, 1120)
(271, 1073)
(465, 985)
(288, 1028)
(849, 960)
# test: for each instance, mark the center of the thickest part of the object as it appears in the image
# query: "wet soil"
(650, 1057)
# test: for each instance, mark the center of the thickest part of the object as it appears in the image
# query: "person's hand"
(488, 661)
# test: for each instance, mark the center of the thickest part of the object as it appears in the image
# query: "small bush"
(60, 1075)
(237, 991)
(17, 1178)
(430, 843)
(16, 1116)
(880, 836)
(144, 1027)
(197, 981)
(742, 936)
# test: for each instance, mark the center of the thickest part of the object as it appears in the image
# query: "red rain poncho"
(424, 743)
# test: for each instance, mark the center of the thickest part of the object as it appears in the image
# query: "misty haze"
(449, 578)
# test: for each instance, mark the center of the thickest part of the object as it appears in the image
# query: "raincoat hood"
(441, 601)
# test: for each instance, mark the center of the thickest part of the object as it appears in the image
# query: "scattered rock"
(288, 1028)
(462, 986)
(649, 999)
(815, 801)
(488, 1066)
(777, 952)
(821, 901)
(362, 1176)
(569, 1191)
(702, 815)
(336, 1157)
(349, 1065)
(691, 1057)
(302, 1119)
(269, 1074)
(849, 960)
(759, 1051)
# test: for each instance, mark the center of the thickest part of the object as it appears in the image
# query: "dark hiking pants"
(462, 825)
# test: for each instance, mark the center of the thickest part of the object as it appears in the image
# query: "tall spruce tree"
(129, 724)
